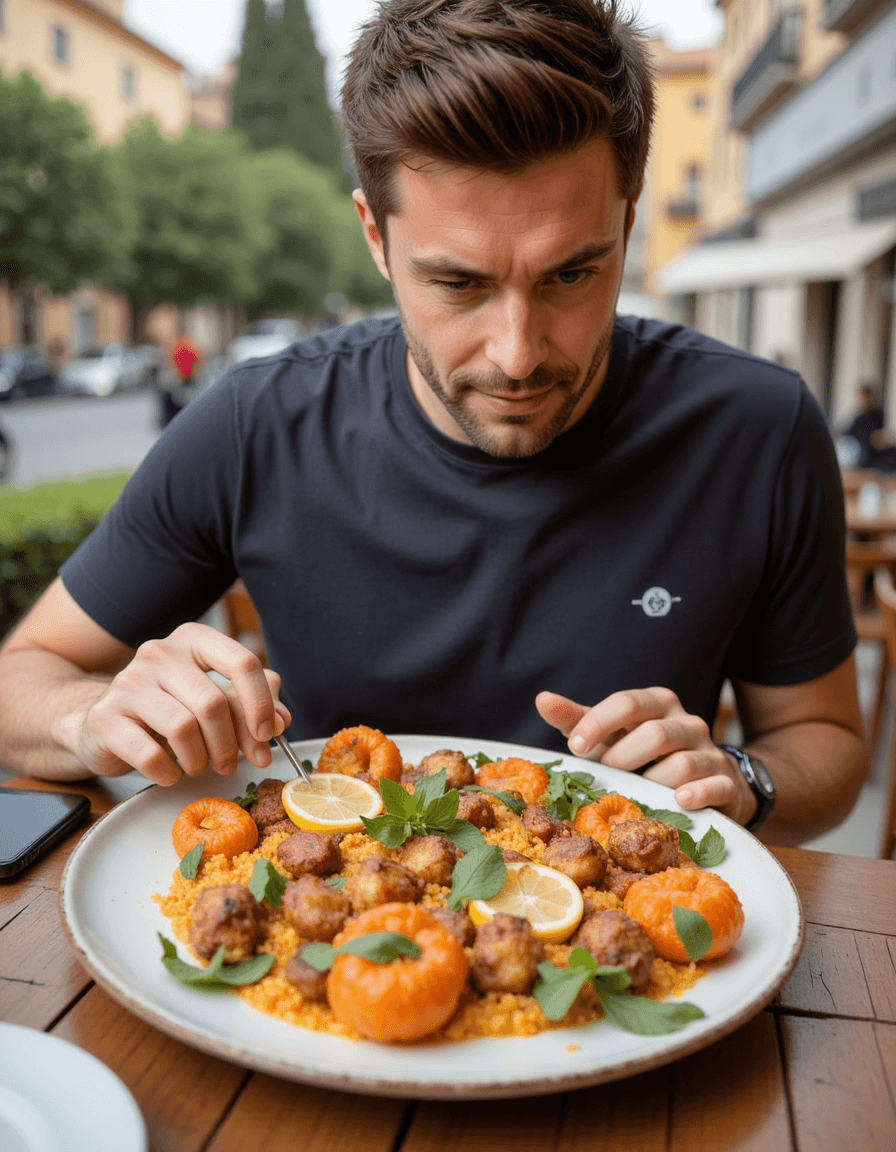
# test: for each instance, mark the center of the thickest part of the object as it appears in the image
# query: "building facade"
(797, 260)
(82, 50)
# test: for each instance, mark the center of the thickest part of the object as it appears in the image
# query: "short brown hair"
(497, 85)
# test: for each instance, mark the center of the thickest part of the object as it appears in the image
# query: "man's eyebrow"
(446, 266)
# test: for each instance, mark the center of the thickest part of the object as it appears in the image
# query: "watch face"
(763, 779)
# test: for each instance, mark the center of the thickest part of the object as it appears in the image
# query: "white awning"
(834, 255)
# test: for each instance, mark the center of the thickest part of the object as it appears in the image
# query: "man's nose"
(516, 341)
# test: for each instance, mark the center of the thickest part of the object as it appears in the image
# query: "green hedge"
(40, 527)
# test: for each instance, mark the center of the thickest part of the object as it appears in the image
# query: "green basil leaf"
(687, 844)
(711, 849)
(646, 1017)
(464, 834)
(380, 947)
(266, 883)
(478, 875)
(427, 789)
(693, 931)
(582, 958)
(307, 765)
(389, 830)
(338, 882)
(397, 801)
(318, 955)
(515, 806)
(247, 971)
(556, 989)
(442, 811)
(249, 799)
(480, 758)
(217, 975)
(612, 977)
(552, 764)
(569, 791)
(677, 819)
(189, 866)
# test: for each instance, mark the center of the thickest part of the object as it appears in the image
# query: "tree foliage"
(60, 219)
(199, 223)
(279, 98)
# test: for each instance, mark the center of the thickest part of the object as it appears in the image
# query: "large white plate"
(111, 921)
(55, 1097)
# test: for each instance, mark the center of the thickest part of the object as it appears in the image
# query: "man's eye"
(573, 276)
(455, 285)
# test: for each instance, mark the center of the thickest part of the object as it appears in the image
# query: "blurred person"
(508, 513)
(867, 421)
(184, 356)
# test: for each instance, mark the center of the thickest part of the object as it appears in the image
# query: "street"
(76, 435)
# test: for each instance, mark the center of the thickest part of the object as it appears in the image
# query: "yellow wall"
(682, 136)
(99, 50)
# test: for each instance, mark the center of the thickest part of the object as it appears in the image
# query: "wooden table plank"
(280, 1116)
(843, 891)
(731, 1097)
(183, 1094)
(838, 1082)
(34, 993)
(484, 1125)
(878, 955)
(626, 1116)
(829, 978)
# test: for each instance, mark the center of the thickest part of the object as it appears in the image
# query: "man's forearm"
(43, 698)
(818, 769)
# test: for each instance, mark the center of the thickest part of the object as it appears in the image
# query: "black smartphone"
(31, 822)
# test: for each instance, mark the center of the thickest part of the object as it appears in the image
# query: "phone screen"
(30, 822)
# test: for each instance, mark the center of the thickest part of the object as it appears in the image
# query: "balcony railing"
(770, 74)
(847, 15)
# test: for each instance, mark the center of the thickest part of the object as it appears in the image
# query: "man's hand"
(649, 726)
(163, 715)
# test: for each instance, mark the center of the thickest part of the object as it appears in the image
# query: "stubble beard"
(562, 378)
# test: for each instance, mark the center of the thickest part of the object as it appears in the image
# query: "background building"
(83, 51)
(797, 259)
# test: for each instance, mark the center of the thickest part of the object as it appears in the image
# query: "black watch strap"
(761, 784)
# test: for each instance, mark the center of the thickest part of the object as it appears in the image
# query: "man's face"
(506, 287)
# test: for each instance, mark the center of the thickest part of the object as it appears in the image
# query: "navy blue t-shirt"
(689, 528)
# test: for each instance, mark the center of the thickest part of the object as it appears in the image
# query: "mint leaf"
(646, 1017)
(189, 866)
(380, 947)
(480, 758)
(687, 844)
(389, 830)
(693, 931)
(711, 849)
(478, 875)
(249, 799)
(569, 791)
(266, 883)
(677, 819)
(442, 811)
(216, 975)
(515, 806)
(337, 882)
(553, 764)
(397, 801)
(427, 789)
(464, 834)
(556, 989)
(318, 955)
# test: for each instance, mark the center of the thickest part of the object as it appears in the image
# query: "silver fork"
(293, 759)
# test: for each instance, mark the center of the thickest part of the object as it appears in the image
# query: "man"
(510, 516)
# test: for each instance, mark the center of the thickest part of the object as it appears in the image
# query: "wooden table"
(814, 1072)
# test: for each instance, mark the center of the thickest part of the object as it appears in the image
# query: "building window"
(60, 45)
(128, 83)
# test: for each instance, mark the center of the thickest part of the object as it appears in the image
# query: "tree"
(279, 98)
(199, 223)
(61, 221)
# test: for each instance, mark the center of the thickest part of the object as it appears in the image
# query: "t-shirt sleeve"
(799, 624)
(162, 555)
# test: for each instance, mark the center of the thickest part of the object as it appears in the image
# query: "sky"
(204, 34)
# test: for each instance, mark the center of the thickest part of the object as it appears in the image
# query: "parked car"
(25, 371)
(264, 338)
(102, 371)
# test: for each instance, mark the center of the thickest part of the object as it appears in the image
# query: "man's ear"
(371, 232)
(630, 212)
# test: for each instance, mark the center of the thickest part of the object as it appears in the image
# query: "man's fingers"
(655, 739)
(558, 711)
(709, 792)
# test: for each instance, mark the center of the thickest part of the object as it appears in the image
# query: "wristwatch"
(761, 784)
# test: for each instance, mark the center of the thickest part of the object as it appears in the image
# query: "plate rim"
(409, 1088)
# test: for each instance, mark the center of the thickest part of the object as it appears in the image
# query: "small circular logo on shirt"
(657, 602)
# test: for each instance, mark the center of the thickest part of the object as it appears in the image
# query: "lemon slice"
(333, 802)
(548, 899)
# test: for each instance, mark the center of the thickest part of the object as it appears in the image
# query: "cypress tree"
(280, 97)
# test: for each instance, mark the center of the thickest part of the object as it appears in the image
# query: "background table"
(814, 1072)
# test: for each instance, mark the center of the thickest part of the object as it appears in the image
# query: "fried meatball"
(281, 826)
(614, 938)
(643, 845)
(379, 881)
(473, 806)
(506, 955)
(618, 880)
(458, 924)
(511, 856)
(580, 857)
(432, 858)
(315, 852)
(227, 914)
(542, 824)
(314, 909)
(268, 810)
(311, 983)
(458, 770)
